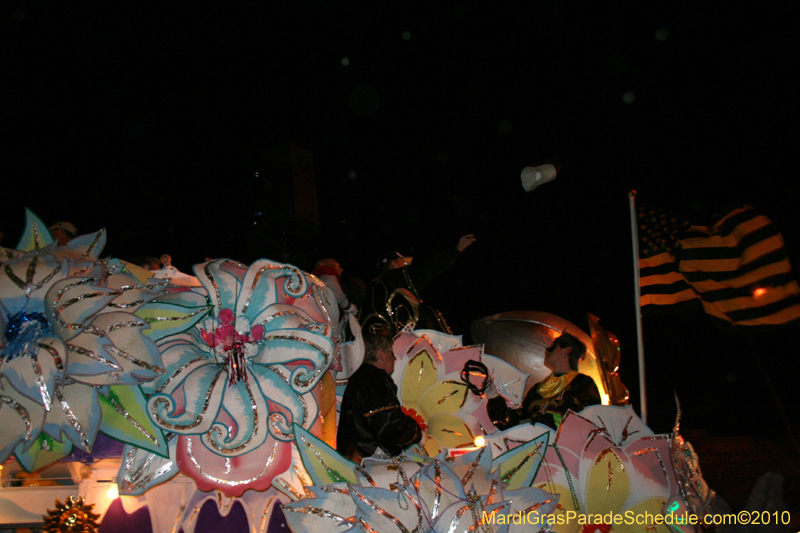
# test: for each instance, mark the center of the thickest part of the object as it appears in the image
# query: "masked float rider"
(564, 389)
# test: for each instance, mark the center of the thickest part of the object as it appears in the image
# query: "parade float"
(136, 403)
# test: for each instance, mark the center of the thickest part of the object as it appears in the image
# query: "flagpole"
(638, 293)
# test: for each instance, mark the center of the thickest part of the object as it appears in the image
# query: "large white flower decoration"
(239, 377)
(67, 333)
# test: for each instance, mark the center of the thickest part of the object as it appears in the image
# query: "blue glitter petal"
(22, 332)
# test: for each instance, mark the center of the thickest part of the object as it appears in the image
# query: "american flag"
(737, 269)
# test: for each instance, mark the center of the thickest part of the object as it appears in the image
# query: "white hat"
(532, 177)
(66, 226)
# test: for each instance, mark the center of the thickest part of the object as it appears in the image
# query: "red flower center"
(416, 416)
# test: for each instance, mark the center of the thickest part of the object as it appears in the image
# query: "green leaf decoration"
(166, 318)
(518, 467)
(125, 419)
(45, 450)
(323, 463)
(36, 234)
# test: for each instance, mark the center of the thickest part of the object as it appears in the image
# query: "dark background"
(151, 119)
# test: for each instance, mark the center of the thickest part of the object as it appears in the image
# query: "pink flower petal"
(257, 333)
(226, 316)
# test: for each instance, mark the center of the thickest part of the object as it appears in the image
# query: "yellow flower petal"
(450, 431)
(445, 397)
(608, 486)
(419, 375)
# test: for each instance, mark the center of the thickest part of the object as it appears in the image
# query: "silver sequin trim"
(178, 371)
(138, 362)
(22, 412)
(54, 353)
(158, 401)
(73, 420)
(94, 356)
(174, 318)
(301, 398)
(300, 380)
(317, 511)
(121, 410)
(94, 244)
(28, 286)
(134, 480)
(253, 435)
(37, 369)
(334, 475)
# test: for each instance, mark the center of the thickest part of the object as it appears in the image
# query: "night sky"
(151, 120)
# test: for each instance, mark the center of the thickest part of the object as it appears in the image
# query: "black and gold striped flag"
(737, 269)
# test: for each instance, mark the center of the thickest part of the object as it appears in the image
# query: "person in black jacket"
(564, 389)
(371, 416)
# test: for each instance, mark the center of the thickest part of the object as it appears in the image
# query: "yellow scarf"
(552, 385)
